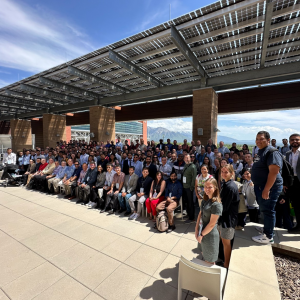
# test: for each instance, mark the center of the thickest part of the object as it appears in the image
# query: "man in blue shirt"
(72, 181)
(59, 176)
(268, 184)
(169, 144)
(173, 193)
(138, 165)
(84, 157)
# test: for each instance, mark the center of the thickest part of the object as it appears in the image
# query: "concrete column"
(21, 134)
(54, 129)
(102, 123)
(205, 114)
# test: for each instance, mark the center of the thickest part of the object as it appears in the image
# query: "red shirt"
(43, 166)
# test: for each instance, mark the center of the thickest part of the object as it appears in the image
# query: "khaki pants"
(29, 178)
(68, 189)
(140, 203)
(83, 193)
(54, 181)
(169, 207)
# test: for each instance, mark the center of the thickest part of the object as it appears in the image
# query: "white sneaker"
(262, 239)
(136, 216)
(93, 205)
(89, 204)
(259, 229)
(132, 216)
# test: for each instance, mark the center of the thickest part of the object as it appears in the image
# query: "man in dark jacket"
(152, 168)
(88, 181)
(142, 193)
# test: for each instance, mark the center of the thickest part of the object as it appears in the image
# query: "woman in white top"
(199, 182)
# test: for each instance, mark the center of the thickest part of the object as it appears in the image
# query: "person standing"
(293, 158)
(268, 185)
(210, 211)
(188, 179)
(222, 149)
(285, 147)
(165, 168)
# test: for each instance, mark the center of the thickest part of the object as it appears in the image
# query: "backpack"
(162, 223)
(287, 170)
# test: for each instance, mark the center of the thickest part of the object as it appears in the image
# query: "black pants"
(241, 219)
(188, 198)
(39, 181)
(283, 215)
(294, 195)
(25, 178)
(253, 215)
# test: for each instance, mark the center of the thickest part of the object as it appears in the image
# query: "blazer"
(130, 186)
(31, 168)
(125, 167)
(287, 155)
(90, 177)
(152, 170)
(144, 183)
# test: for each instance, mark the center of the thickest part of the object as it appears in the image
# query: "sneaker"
(132, 216)
(259, 229)
(127, 213)
(136, 216)
(93, 205)
(171, 228)
(110, 212)
(90, 202)
(262, 239)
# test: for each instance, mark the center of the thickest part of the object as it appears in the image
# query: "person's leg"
(153, 205)
(50, 183)
(116, 204)
(227, 251)
(121, 201)
(241, 219)
(279, 214)
(128, 208)
(131, 201)
(170, 210)
(25, 178)
(141, 201)
(55, 183)
(190, 204)
(286, 215)
(68, 189)
(148, 205)
(86, 191)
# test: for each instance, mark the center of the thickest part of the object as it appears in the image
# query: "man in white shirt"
(237, 165)
(199, 147)
(142, 146)
(165, 168)
(119, 144)
(9, 158)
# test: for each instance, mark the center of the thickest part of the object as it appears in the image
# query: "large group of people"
(219, 187)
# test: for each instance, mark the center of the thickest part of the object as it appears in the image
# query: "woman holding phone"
(206, 231)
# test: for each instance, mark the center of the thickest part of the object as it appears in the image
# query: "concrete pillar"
(102, 123)
(68, 134)
(54, 129)
(21, 134)
(205, 114)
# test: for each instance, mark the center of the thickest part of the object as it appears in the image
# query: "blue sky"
(37, 35)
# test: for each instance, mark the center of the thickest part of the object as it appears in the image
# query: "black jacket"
(152, 170)
(90, 177)
(144, 183)
(102, 163)
(230, 200)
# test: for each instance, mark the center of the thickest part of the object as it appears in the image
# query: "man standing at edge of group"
(268, 184)
(293, 158)
(188, 179)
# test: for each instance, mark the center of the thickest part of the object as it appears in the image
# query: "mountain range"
(163, 133)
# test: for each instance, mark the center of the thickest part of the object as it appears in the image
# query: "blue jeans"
(267, 207)
(124, 202)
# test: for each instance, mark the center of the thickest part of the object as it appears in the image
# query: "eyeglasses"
(76, 164)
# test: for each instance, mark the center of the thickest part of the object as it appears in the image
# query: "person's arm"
(209, 227)
(196, 189)
(14, 158)
(197, 226)
(162, 188)
(151, 190)
(239, 168)
(273, 171)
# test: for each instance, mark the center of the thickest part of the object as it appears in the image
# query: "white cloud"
(179, 125)
(35, 39)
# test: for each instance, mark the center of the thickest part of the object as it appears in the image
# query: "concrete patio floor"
(51, 248)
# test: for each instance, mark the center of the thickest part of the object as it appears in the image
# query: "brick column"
(54, 129)
(205, 114)
(21, 134)
(102, 123)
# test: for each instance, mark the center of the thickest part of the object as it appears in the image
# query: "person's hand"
(116, 192)
(67, 182)
(199, 239)
(93, 187)
(163, 204)
(282, 201)
(196, 233)
(265, 194)
(285, 188)
(123, 194)
(109, 192)
(139, 195)
(83, 185)
(251, 183)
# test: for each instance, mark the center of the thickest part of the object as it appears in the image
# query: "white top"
(9, 158)
(294, 159)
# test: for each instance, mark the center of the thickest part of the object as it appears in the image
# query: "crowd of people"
(226, 185)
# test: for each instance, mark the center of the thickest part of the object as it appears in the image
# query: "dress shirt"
(9, 158)
(84, 159)
(138, 167)
(237, 167)
(76, 172)
(118, 179)
(26, 159)
(167, 169)
(284, 150)
(119, 145)
(109, 177)
(143, 147)
(174, 188)
(223, 150)
(69, 171)
(81, 176)
(61, 173)
(20, 161)
(179, 152)
(198, 149)
(56, 170)
(294, 159)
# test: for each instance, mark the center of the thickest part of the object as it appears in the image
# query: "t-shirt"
(260, 168)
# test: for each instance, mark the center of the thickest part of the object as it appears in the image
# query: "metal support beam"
(96, 80)
(26, 103)
(126, 64)
(186, 51)
(67, 87)
(267, 27)
(36, 90)
(4, 105)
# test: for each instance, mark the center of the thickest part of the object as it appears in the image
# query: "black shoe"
(296, 229)
(102, 211)
(171, 228)
(127, 213)
(79, 202)
(121, 210)
(110, 212)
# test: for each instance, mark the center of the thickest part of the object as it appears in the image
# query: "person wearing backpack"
(268, 184)
(293, 191)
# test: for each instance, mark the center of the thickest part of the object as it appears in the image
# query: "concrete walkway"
(51, 248)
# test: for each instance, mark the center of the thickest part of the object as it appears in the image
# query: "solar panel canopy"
(202, 48)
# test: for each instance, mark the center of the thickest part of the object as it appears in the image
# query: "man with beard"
(293, 158)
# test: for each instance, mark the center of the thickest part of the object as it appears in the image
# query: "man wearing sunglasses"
(71, 183)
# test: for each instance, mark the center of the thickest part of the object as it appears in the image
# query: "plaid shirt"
(81, 176)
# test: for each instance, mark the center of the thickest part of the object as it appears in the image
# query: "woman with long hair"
(73, 157)
(206, 161)
(91, 160)
(199, 182)
(156, 195)
(206, 231)
(229, 218)
(245, 148)
(155, 161)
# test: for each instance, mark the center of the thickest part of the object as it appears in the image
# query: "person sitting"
(156, 195)
(107, 185)
(128, 190)
(173, 193)
(39, 180)
(30, 170)
(88, 181)
(79, 181)
(72, 180)
(94, 196)
(112, 201)
(143, 190)
(59, 176)
(42, 166)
